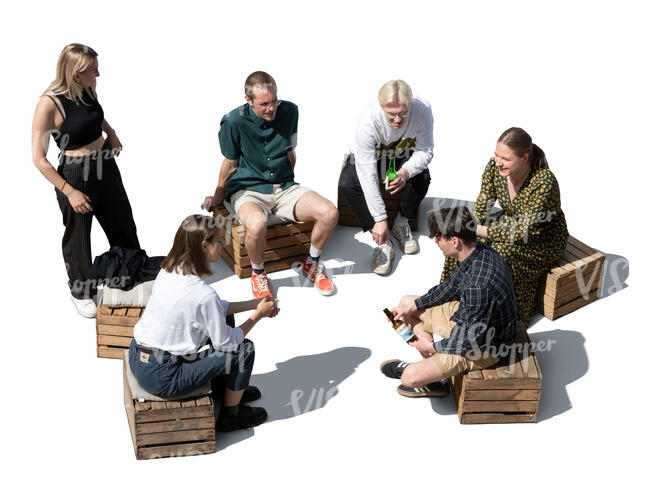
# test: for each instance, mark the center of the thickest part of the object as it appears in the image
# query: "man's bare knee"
(255, 224)
(410, 376)
(330, 215)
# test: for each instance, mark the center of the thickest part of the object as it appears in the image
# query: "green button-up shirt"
(260, 147)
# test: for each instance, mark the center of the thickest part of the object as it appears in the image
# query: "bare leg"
(232, 397)
(313, 207)
(255, 220)
(421, 373)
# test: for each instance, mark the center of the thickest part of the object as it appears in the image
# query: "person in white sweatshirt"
(398, 125)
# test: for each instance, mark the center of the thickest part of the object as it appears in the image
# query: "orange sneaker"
(260, 285)
(316, 274)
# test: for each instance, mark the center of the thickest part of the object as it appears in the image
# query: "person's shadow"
(300, 385)
(562, 361)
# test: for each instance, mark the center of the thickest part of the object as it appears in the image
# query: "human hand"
(380, 232)
(267, 307)
(399, 182)
(423, 345)
(210, 203)
(406, 307)
(80, 202)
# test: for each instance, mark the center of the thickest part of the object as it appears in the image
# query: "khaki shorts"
(437, 320)
(280, 202)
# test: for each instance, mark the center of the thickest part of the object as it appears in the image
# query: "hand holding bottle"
(400, 327)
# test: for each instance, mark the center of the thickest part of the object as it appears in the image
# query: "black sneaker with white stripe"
(430, 390)
(393, 368)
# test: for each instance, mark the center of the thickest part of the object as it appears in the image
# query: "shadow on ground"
(300, 385)
(564, 361)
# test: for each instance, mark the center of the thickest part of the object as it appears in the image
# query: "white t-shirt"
(181, 312)
(375, 137)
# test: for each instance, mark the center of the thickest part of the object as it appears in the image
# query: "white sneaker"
(382, 257)
(402, 232)
(85, 307)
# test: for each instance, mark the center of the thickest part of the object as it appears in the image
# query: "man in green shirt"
(258, 141)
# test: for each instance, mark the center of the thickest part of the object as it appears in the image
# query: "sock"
(257, 268)
(401, 220)
(314, 254)
(230, 410)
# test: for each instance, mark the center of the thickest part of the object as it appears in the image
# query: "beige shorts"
(280, 202)
(437, 320)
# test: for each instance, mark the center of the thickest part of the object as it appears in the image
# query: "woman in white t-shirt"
(183, 315)
(398, 126)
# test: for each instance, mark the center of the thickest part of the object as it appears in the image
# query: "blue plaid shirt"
(487, 313)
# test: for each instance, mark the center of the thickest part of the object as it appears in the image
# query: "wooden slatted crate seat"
(286, 243)
(506, 393)
(574, 282)
(348, 218)
(170, 428)
(114, 328)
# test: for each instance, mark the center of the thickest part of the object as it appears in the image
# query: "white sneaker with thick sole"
(402, 232)
(382, 257)
(85, 307)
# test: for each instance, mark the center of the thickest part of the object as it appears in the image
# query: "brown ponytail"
(519, 141)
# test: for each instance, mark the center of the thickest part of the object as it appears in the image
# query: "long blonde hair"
(74, 57)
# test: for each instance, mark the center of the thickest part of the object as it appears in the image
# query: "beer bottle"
(391, 174)
(401, 328)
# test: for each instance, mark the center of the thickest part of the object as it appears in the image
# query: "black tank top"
(82, 123)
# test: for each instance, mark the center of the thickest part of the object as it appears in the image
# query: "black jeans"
(412, 194)
(97, 176)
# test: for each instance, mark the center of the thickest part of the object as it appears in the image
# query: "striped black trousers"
(97, 176)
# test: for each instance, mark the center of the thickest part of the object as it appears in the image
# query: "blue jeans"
(168, 375)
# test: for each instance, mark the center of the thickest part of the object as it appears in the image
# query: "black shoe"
(430, 390)
(251, 393)
(247, 418)
(393, 368)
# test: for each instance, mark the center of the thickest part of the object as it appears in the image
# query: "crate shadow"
(563, 361)
(444, 406)
(616, 272)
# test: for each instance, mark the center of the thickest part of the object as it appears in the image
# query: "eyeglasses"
(269, 104)
(393, 116)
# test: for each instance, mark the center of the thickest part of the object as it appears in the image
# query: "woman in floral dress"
(529, 231)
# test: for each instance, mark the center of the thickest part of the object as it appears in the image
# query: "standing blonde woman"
(87, 180)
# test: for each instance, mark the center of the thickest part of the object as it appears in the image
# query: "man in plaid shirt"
(474, 311)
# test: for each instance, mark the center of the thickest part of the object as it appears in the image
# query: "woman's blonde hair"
(395, 91)
(75, 57)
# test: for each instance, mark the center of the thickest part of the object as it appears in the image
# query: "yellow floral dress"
(530, 231)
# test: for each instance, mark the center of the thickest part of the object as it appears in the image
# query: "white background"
(574, 75)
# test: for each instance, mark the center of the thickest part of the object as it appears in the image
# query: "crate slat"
(562, 290)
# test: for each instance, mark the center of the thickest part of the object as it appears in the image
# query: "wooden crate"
(348, 218)
(171, 428)
(574, 282)
(286, 244)
(506, 393)
(114, 328)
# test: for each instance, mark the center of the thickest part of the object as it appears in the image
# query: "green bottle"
(392, 173)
